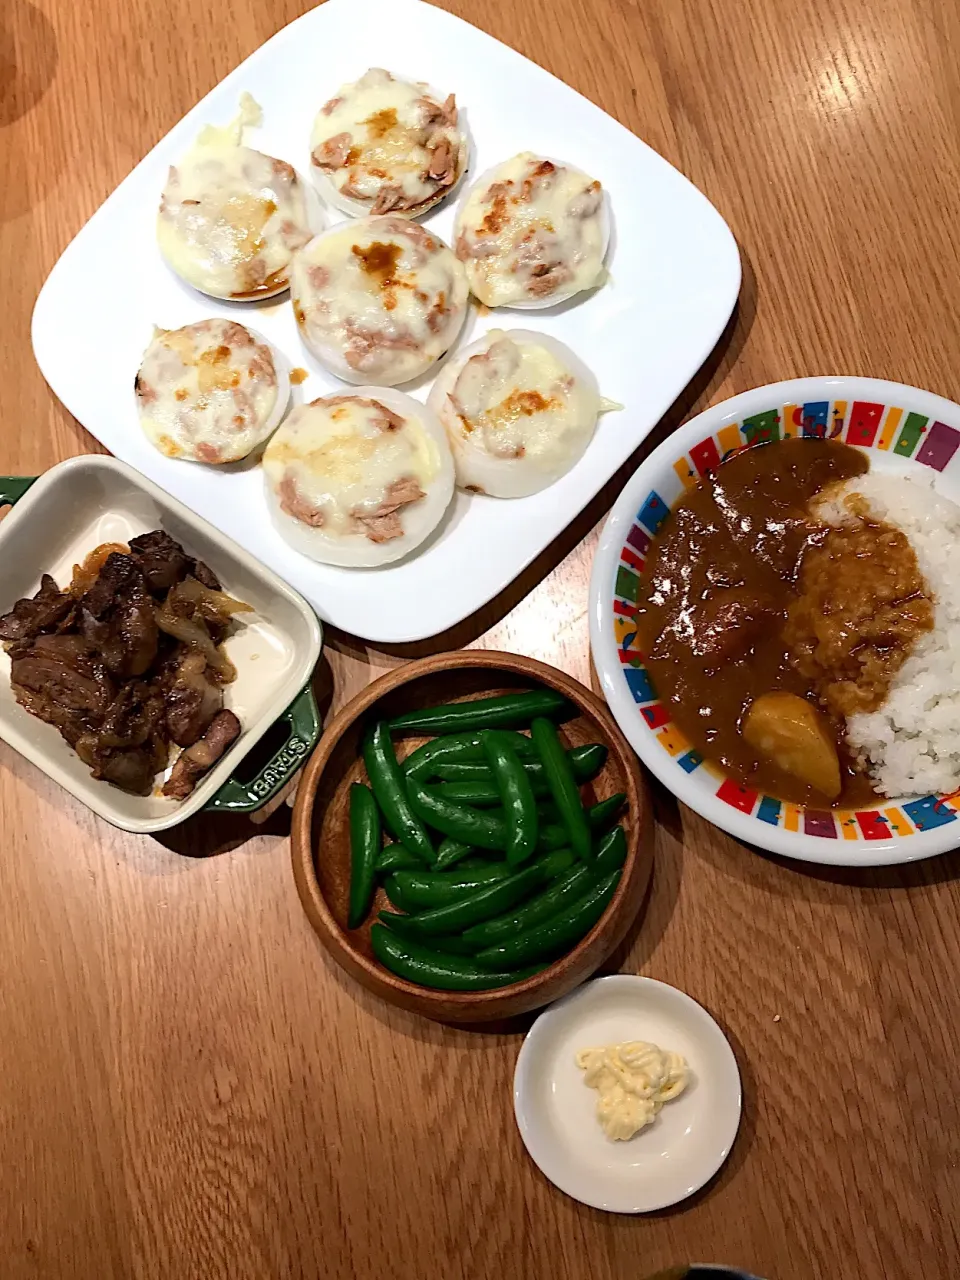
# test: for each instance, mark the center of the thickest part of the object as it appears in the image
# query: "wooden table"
(188, 1086)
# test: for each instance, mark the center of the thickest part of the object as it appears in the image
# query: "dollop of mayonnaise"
(633, 1080)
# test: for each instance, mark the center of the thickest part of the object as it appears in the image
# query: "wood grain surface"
(189, 1088)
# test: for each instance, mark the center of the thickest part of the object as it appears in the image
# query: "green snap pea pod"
(555, 936)
(421, 762)
(424, 890)
(611, 852)
(449, 944)
(364, 848)
(482, 795)
(586, 761)
(554, 836)
(394, 890)
(388, 788)
(519, 802)
(450, 853)
(599, 814)
(429, 968)
(455, 746)
(512, 710)
(396, 858)
(489, 830)
(561, 894)
(456, 820)
(492, 900)
(563, 785)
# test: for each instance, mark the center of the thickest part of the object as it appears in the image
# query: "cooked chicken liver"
(28, 618)
(96, 663)
(195, 761)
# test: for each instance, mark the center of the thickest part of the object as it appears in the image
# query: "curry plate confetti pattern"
(874, 426)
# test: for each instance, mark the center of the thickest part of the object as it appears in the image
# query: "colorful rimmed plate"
(907, 431)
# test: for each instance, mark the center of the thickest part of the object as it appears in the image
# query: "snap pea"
(516, 795)
(491, 900)
(554, 836)
(599, 814)
(586, 761)
(509, 711)
(430, 968)
(456, 820)
(565, 891)
(426, 890)
(482, 792)
(448, 944)
(387, 783)
(394, 890)
(611, 852)
(455, 746)
(450, 853)
(482, 795)
(555, 936)
(364, 848)
(396, 858)
(489, 830)
(563, 785)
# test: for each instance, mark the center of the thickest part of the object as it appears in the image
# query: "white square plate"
(675, 275)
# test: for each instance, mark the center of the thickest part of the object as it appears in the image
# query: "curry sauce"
(746, 593)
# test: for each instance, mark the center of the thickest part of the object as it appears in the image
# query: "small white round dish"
(672, 1157)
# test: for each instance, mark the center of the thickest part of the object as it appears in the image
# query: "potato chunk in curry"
(793, 734)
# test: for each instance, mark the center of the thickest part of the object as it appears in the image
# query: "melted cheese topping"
(388, 145)
(378, 300)
(517, 400)
(519, 413)
(354, 469)
(209, 392)
(633, 1080)
(532, 232)
(230, 217)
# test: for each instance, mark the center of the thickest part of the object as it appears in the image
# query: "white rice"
(911, 745)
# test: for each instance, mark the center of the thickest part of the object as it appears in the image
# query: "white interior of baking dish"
(84, 502)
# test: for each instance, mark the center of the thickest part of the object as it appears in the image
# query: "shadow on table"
(29, 57)
(651, 923)
(815, 883)
(413, 1025)
(694, 397)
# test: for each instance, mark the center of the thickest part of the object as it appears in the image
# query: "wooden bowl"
(320, 839)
